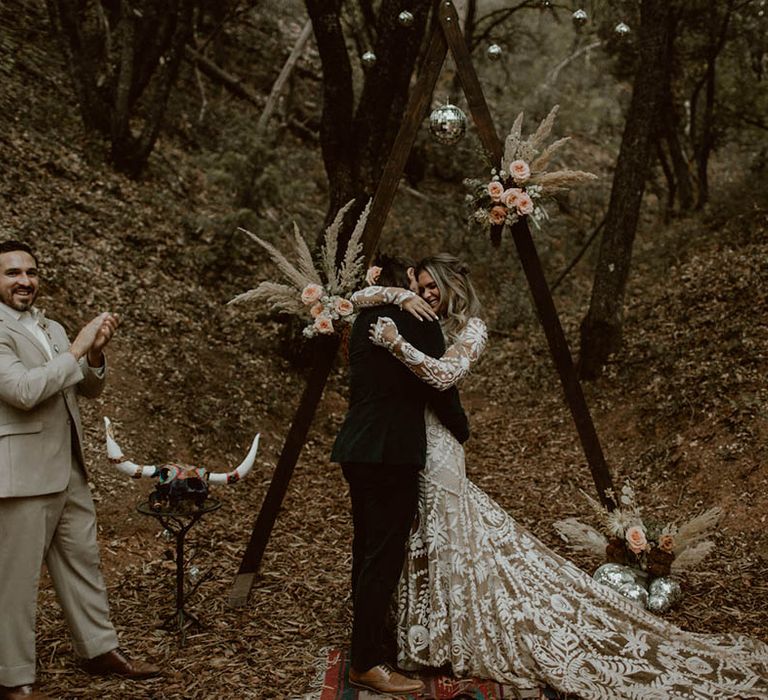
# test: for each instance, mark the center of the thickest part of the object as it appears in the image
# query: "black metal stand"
(178, 523)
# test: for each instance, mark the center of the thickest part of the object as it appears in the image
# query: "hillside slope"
(682, 411)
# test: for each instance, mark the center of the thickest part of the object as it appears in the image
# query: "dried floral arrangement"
(517, 187)
(321, 295)
(631, 539)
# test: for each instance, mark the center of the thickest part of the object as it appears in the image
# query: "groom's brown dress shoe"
(382, 679)
(22, 692)
(118, 663)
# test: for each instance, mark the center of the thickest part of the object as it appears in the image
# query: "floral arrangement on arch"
(632, 539)
(517, 187)
(319, 295)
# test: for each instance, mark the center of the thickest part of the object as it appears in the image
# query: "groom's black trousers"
(384, 502)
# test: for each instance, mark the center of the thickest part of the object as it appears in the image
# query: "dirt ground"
(681, 411)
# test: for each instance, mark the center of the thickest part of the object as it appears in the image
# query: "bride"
(482, 594)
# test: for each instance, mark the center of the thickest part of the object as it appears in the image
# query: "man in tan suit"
(46, 510)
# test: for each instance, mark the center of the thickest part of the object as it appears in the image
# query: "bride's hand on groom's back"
(418, 307)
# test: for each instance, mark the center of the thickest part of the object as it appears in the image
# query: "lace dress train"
(482, 594)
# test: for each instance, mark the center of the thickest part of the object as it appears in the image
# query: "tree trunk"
(601, 329)
(670, 130)
(147, 40)
(703, 134)
(356, 142)
(130, 153)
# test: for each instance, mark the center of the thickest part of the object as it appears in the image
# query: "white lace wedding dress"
(482, 594)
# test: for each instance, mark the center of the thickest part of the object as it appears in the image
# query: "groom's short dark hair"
(394, 271)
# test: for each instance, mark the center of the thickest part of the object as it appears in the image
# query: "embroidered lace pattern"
(454, 365)
(481, 593)
(376, 296)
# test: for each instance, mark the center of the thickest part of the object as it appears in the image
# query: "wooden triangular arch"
(447, 35)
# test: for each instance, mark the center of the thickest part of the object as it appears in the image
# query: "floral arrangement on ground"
(640, 550)
(522, 181)
(319, 295)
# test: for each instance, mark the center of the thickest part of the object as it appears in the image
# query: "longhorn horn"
(241, 471)
(116, 457)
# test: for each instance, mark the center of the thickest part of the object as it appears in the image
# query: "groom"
(381, 447)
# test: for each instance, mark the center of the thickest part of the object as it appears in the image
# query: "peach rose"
(511, 196)
(344, 306)
(636, 539)
(497, 215)
(524, 204)
(323, 324)
(519, 170)
(372, 275)
(311, 293)
(317, 309)
(495, 189)
(666, 543)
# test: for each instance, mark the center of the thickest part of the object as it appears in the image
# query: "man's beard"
(23, 303)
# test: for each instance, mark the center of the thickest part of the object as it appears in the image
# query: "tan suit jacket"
(39, 419)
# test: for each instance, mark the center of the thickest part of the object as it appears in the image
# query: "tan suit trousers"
(60, 529)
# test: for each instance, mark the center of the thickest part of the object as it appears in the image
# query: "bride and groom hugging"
(382, 447)
(474, 589)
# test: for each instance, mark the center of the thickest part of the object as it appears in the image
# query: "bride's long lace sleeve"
(378, 296)
(440, 373)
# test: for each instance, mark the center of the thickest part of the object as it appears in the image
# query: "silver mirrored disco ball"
(663, 593)
(405, 18)
(448, 124)
(622, 29)
(368, 59)
(614, 575)
(579, 18)
(636, 593)
(494, 52)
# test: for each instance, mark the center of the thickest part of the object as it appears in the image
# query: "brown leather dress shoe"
(383, 679)
(22, 692)
(118, 663)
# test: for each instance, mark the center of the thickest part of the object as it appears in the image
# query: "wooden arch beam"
(446, 35)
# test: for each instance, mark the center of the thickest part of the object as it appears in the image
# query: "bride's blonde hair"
(457, 295)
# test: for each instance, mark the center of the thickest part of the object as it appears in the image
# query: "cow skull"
(135, 471)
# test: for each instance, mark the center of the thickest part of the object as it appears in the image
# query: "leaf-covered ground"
(681, 411)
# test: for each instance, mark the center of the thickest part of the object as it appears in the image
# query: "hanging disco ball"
(580, 18)
(448, 124)
(368, 59)
(545, 4)
(494, 52)
(622, 29)
(405, 18)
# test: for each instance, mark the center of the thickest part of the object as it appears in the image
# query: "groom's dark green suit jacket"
(385, 420)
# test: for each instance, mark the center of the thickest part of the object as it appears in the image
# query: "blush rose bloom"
(519, 170)
(323, 324)
(316, 310)
(524, 204)
(497, 215)
(311, 293)
(511, 197)
(344, 306)
(666, 543)
(495, 189)
(636, 539)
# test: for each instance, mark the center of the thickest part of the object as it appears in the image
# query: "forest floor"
(681, 411)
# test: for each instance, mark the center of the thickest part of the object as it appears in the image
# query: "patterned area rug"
(333, 684)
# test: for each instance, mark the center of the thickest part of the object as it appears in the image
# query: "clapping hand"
(94, 336)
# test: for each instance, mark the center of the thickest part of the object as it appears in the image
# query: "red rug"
(335, 686)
